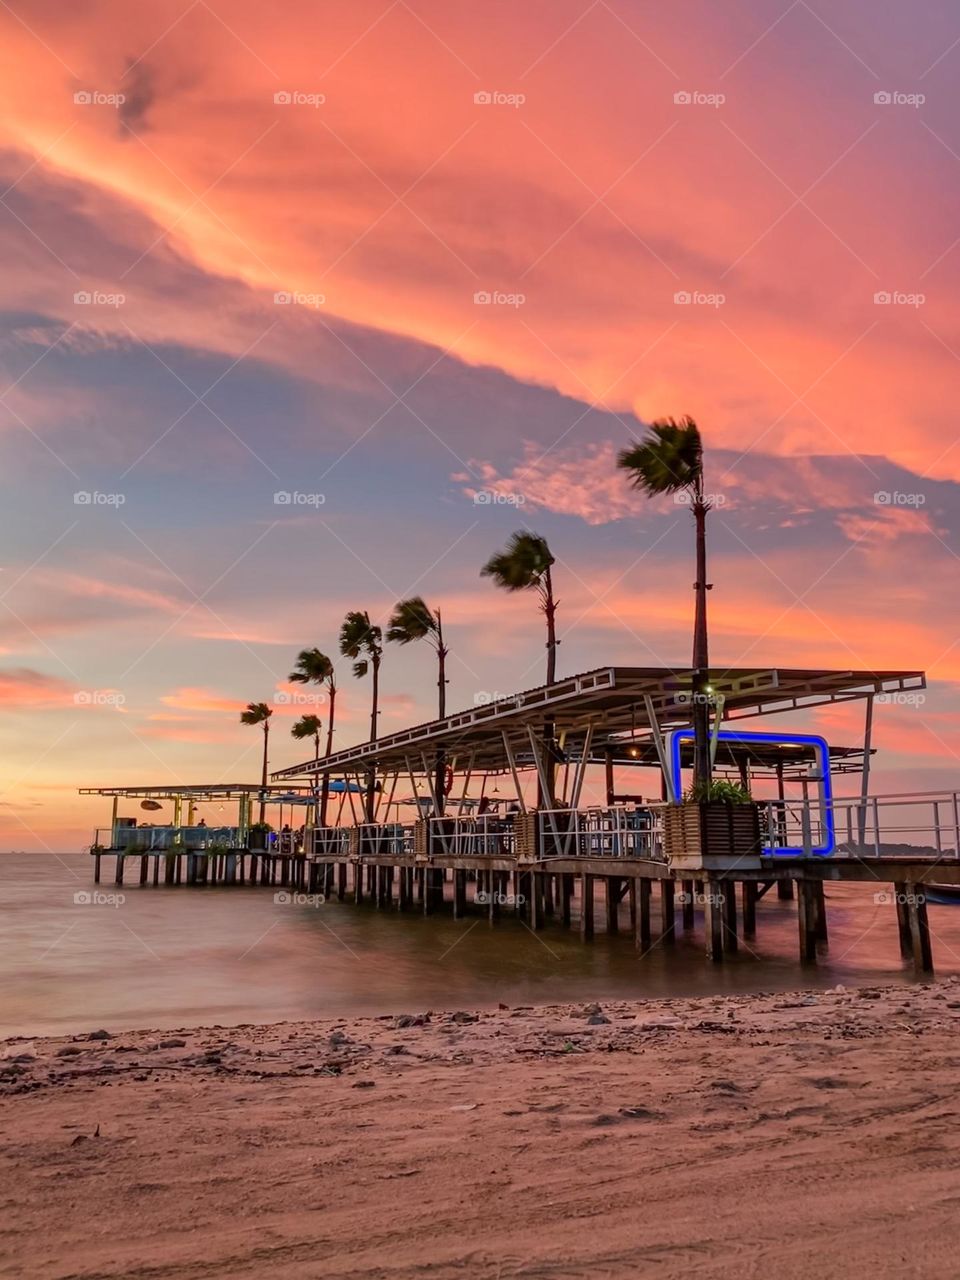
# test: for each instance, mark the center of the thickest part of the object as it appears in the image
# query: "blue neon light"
(829, 844)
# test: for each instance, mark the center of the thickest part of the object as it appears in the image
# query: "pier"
(657, 866)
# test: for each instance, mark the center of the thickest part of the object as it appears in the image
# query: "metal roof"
(615, 701)
(210, 791)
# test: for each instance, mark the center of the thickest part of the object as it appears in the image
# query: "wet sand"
(800, 1134)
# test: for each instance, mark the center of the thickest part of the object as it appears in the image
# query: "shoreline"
(706, 1136)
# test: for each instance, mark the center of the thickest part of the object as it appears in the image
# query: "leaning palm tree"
(670, 460)
(525, 564)
(314, 667)
(362, 641)
(413, 620)
(260, 713)
(309, 727)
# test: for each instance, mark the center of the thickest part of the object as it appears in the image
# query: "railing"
(619, 831)
(327, 842)
(483, 835)
(385, 840)
(901, 824)
(159, 839)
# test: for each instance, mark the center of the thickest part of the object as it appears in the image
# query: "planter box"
(712, 835)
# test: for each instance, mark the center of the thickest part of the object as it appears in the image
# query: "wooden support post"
(358, 882)
(96, 868)
(586, 906)
(689, 903)
(820, 910)
(341, 881)
(459, 894)
(566, 894)
(613, 903)
(807, 922)
(667, 910)
(730, 939)
(903, 918)
(785, 890)
(713, 919)
(493, 892)
(642, 932)
(535, 905)
(919, 929)
(546, 894)
(179, 865)
(749, 890)
(118, 876)
(156, 868)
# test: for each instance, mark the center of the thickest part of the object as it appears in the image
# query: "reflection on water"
(170, 957)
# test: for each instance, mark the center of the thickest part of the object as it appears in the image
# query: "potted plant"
(716, 826)
(258, 837)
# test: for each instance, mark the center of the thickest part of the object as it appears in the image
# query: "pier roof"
(602, 708)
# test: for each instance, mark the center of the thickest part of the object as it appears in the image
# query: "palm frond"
(522, 564)
(313, 667)
(256, 713)
(307, 727)
(412, 620)
(668, 460)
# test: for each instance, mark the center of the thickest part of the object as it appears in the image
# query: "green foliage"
(307, 727)
(522, 564)
(727, 792)
(670, 459)
(361, 640)
(313, 667)
(256, 713)
(413, 620)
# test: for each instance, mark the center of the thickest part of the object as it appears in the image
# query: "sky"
(307, 310)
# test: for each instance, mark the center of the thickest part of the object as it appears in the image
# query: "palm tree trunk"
(325, 788)
(546, 798)
(442, 709)
(263, 776)
(701, 659)
(372, 780)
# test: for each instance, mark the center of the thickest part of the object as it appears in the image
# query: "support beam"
(586, 906)
(713, 919)
(919, 929)
(667, 910)
(642, 934)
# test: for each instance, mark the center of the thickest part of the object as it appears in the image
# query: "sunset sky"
(792, 170)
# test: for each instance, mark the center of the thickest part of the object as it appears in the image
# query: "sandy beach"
(808, 1133)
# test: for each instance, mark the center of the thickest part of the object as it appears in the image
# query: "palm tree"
(308, 727)
(414, 620)
(670, 460)
(259, 713)
(525, 565)
(314, 667)
(362, 641)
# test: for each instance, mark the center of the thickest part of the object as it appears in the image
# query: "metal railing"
(617, 831)
(327, 842)
(904, 824)
(159, 839)
(482, 835)
(385, 840)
